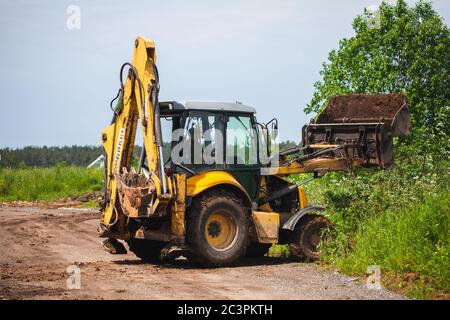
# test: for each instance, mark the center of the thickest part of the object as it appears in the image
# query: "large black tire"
(256, 250)
(306, 237)
(217, 229)
(147, 250)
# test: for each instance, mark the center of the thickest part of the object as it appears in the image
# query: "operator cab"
(205, 135)
(209, 135)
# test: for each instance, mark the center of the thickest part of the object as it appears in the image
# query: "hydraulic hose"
(153, 95)
(140, 85)
(158, 132)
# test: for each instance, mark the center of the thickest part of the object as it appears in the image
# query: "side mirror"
(273, 128)
(275, 125)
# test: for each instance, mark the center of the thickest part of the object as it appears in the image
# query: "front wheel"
(307, 235)
(217, 228)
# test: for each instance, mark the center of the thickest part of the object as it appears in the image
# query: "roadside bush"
(413, 240)
(398, 219)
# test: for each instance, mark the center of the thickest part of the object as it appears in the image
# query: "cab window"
(241, 145)
(201, 130)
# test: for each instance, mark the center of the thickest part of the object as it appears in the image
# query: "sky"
(56, 82)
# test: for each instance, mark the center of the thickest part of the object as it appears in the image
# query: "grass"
(279, 250)
(60, 181)
(397, 219)
(413, 242)
(91, 204)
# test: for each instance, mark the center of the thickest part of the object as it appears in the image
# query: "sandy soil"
(37, 245)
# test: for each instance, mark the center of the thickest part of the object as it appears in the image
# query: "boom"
(137, 101)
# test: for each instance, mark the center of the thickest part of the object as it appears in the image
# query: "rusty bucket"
(361, 127)
(135, 192)
(390, 109)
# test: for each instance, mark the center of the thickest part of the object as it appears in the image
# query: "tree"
(396, 49)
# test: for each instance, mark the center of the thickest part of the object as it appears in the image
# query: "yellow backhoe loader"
(215, 188)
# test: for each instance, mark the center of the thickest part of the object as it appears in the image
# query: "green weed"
(60, 181)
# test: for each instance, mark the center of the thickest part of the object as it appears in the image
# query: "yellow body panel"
(208, 179)
(178, 228)
(267, 226)
(302, 197)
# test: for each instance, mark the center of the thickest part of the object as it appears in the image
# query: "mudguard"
(207, 179)
(292, 221)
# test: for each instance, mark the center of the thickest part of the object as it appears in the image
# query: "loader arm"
(137, 102)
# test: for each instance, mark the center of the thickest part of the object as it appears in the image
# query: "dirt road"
(38, 245)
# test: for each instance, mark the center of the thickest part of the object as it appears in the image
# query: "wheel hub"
(214, 229)
(221, 230)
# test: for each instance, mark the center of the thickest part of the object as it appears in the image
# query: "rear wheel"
(147, 250)
(306, 237)
(217, 228)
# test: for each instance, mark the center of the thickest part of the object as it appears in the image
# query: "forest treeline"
(48, 156)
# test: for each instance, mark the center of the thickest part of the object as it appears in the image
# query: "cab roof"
(206, 105)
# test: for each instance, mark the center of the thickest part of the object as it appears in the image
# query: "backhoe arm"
(138, 102)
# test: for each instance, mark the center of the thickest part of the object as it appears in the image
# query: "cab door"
(241, 151)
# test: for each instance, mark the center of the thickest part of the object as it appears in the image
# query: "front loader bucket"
(369, 108)
(359, 128)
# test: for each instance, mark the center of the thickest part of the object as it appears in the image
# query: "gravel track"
(37, 245)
